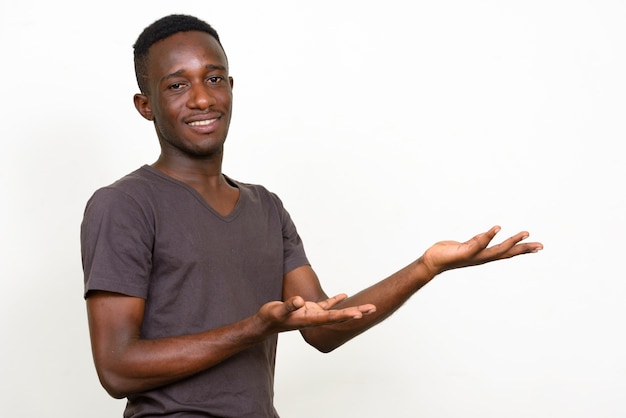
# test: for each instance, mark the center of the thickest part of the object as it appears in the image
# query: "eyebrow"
(182, 70)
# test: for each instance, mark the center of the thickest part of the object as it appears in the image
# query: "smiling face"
(189, 95)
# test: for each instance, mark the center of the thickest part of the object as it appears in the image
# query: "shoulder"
(144, 178)
(139, 186)
(131, 193)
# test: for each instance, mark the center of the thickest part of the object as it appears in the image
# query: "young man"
(190, 275)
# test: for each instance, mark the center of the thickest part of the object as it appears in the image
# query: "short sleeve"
(294, 255)
(116, 244)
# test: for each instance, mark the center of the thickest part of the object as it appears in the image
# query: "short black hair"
(159, 30)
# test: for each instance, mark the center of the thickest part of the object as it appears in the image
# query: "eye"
(176, 86)
(215, 79)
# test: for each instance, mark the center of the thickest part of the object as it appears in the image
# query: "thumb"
(294, 303)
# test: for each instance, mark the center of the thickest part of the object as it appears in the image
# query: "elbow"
(115, 394)
(115, 391)
(116, 386)
(319, 341)
(324, 349)
(322, 346)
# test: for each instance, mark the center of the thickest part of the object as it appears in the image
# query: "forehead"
(184, 51)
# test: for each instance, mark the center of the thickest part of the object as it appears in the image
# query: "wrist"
(259, 328)
(425, 269)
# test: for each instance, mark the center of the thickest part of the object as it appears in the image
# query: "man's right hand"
(295, 313)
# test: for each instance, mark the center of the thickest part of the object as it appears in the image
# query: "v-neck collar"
(226, 218)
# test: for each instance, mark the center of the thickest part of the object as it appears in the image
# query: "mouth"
(205, 122)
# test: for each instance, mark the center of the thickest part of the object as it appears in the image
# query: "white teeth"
(201, 122)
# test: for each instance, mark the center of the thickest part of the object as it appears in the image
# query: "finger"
(330, 302)
(479, 242)
(367, 308)
(523, 248)
(293, 304)
(341, 315)
(513, 246)
(354, 312)
(511, 241)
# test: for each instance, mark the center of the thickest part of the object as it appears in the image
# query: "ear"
(142, 104)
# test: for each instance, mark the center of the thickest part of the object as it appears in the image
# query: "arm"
(391, 293)
(126, 363)
(117, 238)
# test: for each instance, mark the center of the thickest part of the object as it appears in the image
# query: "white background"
(384, 127)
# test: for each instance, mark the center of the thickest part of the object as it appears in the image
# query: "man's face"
(190, 94)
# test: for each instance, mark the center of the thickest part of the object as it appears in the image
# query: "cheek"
(226, 100)
(170, 109)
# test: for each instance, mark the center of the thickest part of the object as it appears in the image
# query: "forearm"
(387, 295)
(137, 365)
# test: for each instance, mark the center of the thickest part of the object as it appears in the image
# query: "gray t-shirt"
(153, 237)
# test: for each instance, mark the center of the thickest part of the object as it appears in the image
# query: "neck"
(205, 172)
(206, 177)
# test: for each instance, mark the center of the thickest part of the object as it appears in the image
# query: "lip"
(205, 123)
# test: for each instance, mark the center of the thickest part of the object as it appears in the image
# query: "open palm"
(447, 255)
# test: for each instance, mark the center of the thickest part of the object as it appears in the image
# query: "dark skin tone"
(189, 100)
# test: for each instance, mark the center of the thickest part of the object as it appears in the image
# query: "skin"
(189, 82)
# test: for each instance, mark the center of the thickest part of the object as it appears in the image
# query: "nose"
(200, 97)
